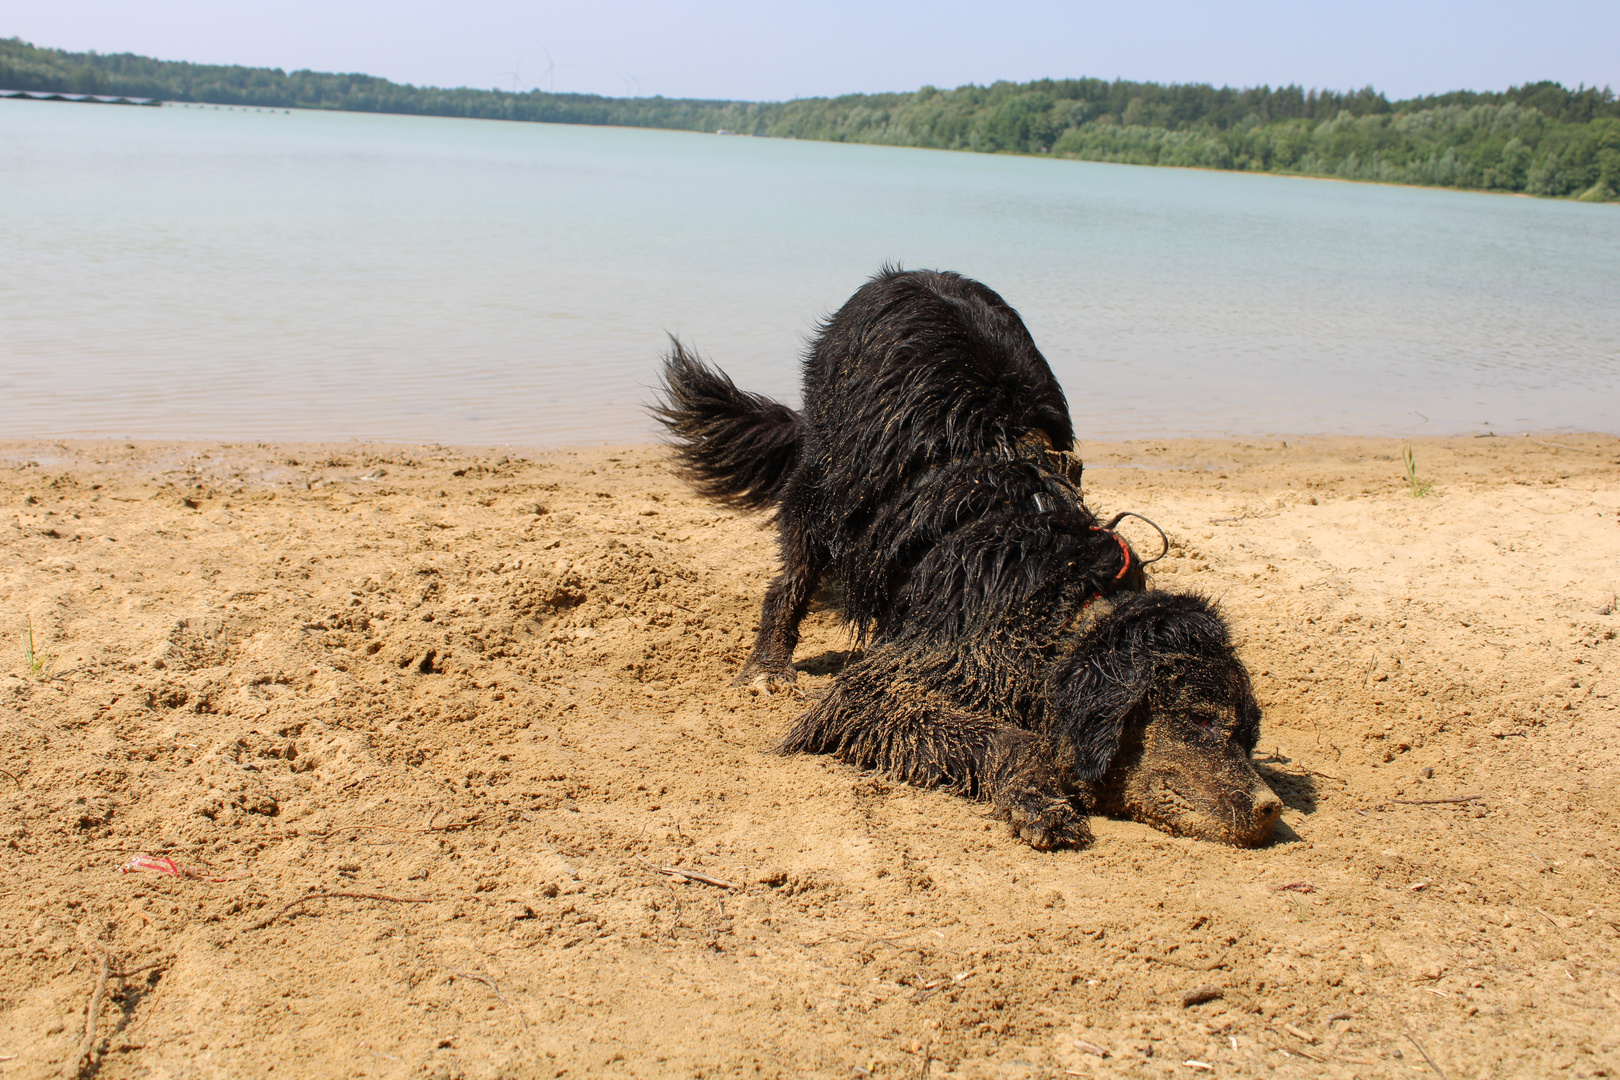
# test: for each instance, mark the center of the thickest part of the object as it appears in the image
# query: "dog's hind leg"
(876, 718)
(770, 665)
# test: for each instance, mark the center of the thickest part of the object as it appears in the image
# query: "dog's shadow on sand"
(830, 662)
(1298, 791)
(1281, 834)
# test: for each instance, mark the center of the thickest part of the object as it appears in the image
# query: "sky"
(761, 51)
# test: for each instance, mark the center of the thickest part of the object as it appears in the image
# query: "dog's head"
(1155, 711)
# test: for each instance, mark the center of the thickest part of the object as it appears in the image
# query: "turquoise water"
(204, 273)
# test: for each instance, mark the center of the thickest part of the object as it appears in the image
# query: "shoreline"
(126, 452)
(1046, 155)
(418, 726)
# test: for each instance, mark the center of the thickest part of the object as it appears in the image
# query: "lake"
(244, 275)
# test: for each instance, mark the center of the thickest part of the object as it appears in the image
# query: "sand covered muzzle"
(1190, 783)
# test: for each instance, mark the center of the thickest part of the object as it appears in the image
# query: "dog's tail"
(732, 446)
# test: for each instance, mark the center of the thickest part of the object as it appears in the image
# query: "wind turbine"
(514, 73)
(627, 80)
(549, 77)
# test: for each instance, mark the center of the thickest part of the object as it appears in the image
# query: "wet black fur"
(735, 447)
(920, 473)
(928, 418)
(1078, 690)
(1030, 723)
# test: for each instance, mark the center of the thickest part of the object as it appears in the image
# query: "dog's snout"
(1267, 809)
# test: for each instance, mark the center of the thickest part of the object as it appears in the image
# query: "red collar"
(1125, 568)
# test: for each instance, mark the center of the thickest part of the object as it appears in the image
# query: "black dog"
(1009, 659)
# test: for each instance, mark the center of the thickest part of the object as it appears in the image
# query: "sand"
(468, 705)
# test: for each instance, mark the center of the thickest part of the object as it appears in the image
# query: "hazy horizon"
(722, 49)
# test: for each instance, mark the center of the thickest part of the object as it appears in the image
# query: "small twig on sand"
(74, 1065)
(489, 982)
(1211, 966)
(1293, 886)
(1560, 446)
(1426, 1057)
(13, 779)
(1556, 924)
(696, 875)
(1437, 802)
(454, 826)
(1199, 995)
(262, 923)
(1299, 1051)
(163, 963)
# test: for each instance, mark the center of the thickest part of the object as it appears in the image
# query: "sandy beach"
(424, 762)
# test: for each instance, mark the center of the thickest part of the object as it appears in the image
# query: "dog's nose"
(1267, 809)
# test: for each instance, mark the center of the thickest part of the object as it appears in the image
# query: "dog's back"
(919, 368)
(920, 374)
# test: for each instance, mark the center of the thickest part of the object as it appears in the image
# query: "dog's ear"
(1136, 641)
(1089, 698)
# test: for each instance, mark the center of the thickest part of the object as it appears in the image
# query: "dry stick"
(1437, 802)
(13, 779)
(694, 875)
(487, 981)
(75, 1064)
(1426, 1056)
(165, 962)
(1550, 919)
(262, 923)
(1561, 446)
(454, 826)
(1213, 965)
(1089, 1048)
(1327, 776)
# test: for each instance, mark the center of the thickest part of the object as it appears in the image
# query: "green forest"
(1538, 139)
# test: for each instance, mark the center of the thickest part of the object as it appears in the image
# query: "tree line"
(1540, 138)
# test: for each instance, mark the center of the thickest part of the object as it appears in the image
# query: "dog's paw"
(1045, 824)
(770, 680)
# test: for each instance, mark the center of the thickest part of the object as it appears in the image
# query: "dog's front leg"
(879, 717)
(1023, 780)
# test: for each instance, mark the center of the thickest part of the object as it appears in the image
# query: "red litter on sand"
(165, 866)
